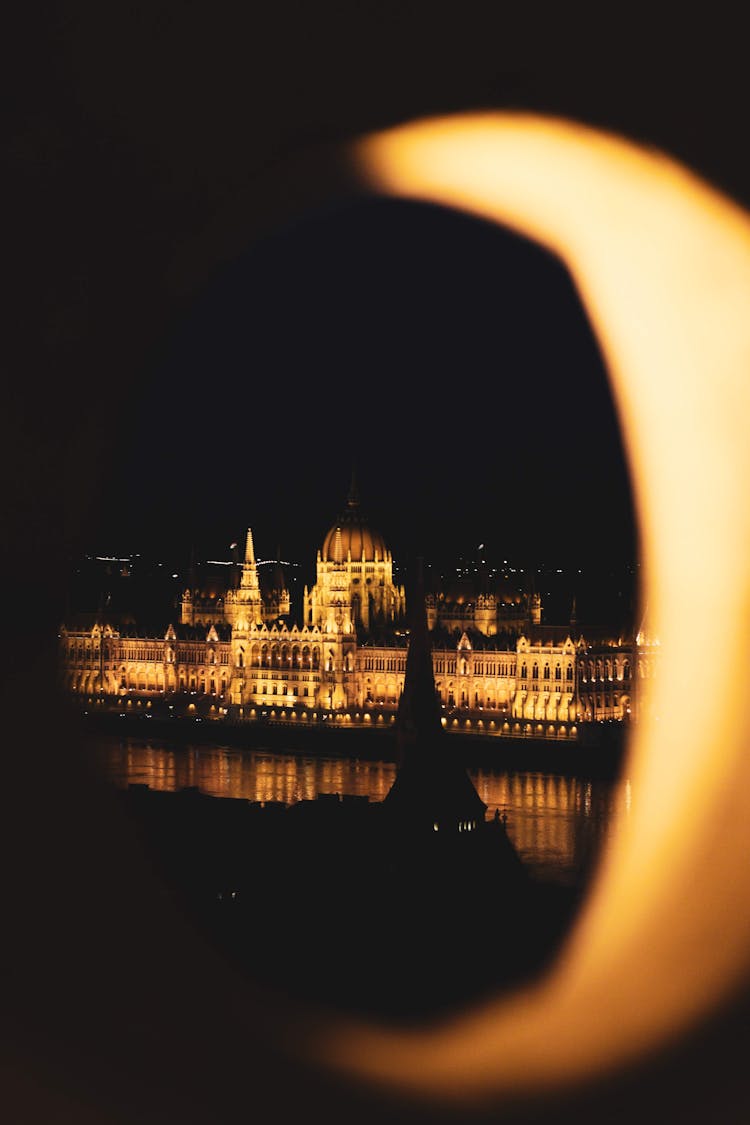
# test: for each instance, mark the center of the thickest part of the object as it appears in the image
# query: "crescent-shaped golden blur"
(662, 263)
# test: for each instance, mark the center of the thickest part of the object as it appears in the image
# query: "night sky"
(448, 360)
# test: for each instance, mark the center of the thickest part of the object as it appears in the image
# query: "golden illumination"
(662, 263)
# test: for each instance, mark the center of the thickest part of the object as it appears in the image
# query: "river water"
(559, 825)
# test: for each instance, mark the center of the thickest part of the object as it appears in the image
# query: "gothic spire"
(418, 709)
(249, 548)
(431, 790)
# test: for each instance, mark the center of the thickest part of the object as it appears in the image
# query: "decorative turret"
(245, 603)
(249, 567)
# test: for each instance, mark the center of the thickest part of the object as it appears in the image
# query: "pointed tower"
(432, 791)
(247, 602)
(190, 593)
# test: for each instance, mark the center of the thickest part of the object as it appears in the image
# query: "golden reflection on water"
(558, 824)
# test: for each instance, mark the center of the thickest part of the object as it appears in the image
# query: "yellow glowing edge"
(662, 264)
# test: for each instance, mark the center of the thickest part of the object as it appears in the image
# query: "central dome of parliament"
(351, 532)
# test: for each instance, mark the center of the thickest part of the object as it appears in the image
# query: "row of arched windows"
(384, 663)
(280, 656)
(547, 672)
(604, 669)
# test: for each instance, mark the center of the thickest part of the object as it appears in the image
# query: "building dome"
(351, 532)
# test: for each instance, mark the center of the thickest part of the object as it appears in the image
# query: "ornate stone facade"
(234, 652)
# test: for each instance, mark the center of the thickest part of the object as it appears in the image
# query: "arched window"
(569, 672)
(558, 672)
(546, 671)
(626, 670)
(523, 671)
(535, 671)
(241, 658)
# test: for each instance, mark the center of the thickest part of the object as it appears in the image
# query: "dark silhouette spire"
(419, 712)
(431, 789)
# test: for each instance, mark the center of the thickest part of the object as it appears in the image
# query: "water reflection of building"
(555, 822)
(235, 649)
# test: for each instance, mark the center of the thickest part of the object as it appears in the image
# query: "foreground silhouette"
(401, 909)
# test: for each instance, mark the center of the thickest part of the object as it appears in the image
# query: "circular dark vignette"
(130, 141)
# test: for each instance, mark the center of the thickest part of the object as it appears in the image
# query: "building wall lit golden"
(235, 652)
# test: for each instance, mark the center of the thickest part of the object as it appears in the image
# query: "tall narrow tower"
(246, 603)
(432, 791)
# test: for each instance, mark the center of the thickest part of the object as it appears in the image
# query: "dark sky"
(449, 360)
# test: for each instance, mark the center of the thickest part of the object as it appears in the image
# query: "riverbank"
(599, 754)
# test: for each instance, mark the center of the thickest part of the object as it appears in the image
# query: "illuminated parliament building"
(234, 652)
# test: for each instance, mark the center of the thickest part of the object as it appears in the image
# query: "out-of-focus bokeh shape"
(662, 263)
